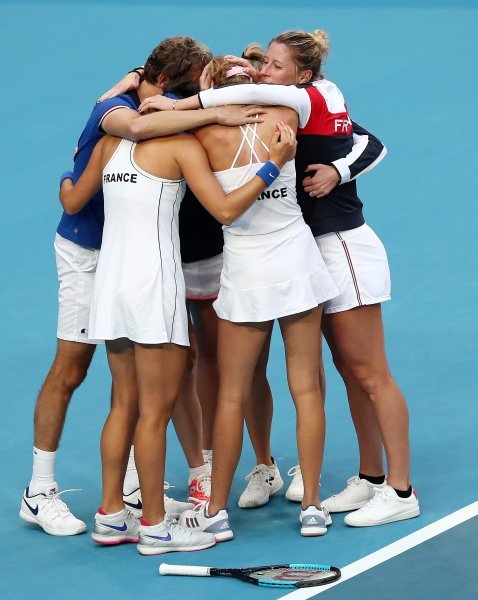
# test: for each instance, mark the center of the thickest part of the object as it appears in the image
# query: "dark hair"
(181, 60)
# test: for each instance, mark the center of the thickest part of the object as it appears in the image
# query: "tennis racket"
(295, 575)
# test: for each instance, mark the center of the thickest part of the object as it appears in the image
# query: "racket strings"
(288, 574)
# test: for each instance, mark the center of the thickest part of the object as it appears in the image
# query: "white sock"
(194, 473)
(207, 455)
(113, 515)
(43, 473)
(131, 480)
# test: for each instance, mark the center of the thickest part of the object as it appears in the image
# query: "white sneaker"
(169, 536)
(314, 521)
(199, 520)
(385, 507)
(207, 455)
(295, 491)
(119, 528)
(52, 514)
(173, 507)
(357, 493)
(264, 482)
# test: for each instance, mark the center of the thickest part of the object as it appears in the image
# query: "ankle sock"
(131, 480)
(197, 471)
(377, 480)
(43, 473)
(404, 494)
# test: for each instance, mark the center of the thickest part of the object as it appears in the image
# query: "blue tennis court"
(406, 70)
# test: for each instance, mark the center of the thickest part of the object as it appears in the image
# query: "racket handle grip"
(165, 569)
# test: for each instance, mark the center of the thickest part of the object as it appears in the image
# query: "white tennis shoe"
(118, 528)
(50, 512)
(295, 491)
(386, 506)
(263, 482)
(314, 521)
(134, 503)
(355, 495)
(199, 520)
(169, 536)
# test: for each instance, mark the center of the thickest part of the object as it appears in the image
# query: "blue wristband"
(268, 172)
(66, 175)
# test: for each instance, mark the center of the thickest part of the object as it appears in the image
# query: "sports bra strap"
(250, 142)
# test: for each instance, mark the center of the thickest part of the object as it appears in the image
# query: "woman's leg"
(205, 323)
(239, 347)
(356, 339)
(259, 409)
(159, 371)
(187, 419)
(120, 425)
(302, 340)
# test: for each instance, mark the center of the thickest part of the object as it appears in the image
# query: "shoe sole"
(50, 530)
(224, 536)
(313, 532)
(261, 503)
(346, 508)
(411, 514)
(151, 550)
(112, 540)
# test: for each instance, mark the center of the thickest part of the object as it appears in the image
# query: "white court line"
(384, 554)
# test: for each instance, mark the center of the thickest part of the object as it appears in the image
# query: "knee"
(68, 376)
(370, 379)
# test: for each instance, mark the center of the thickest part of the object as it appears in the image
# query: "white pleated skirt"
(273, 275)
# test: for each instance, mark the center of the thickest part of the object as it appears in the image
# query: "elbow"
(70, 210)
(135, 133)
(226, 218)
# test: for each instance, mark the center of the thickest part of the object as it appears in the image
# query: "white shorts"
(76, 267)
(358, 263)
(203, 278)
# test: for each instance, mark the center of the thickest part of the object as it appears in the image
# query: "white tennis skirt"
(273, 275)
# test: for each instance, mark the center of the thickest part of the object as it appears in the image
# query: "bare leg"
(259, 409)
(205, 326)
(120, 425)
(67, 372)
(356, 339)
(159, 371)
(302, 339)
(239, 348)
(187, 417)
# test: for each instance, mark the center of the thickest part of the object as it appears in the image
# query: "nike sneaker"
(47, 510)
(173, 507)
(118, 528)
(169, 536)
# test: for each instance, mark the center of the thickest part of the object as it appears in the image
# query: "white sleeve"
(263, 94)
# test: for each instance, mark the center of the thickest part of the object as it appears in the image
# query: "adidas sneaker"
(314, 521)
(199, 520)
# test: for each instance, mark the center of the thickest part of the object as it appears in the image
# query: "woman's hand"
(129, 82)
(242, 62)
(322, 182)
(157, 102)
(283, 145)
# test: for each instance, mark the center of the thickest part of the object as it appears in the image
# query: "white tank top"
(276, 207)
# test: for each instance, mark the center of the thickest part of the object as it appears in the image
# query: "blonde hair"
(218, 68)
(309, 49)
(255, 54)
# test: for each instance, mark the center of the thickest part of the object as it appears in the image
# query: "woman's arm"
(194, 164)
(74, 197)
(265, 93)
